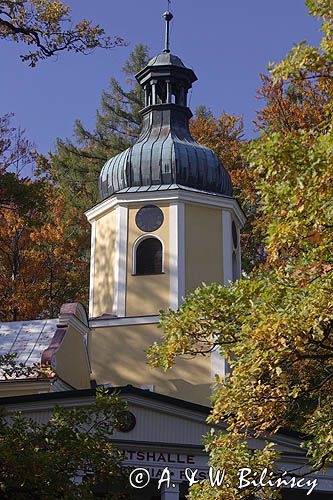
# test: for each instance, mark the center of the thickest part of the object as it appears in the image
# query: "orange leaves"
(290, 105)
(39, 264)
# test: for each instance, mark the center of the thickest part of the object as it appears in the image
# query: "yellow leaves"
(295, 392)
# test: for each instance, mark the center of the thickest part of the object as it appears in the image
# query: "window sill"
(154, 274)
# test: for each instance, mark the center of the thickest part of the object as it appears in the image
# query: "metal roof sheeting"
(27, 339)
(165, 154)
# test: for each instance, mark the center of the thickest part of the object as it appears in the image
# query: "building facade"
(166, 222)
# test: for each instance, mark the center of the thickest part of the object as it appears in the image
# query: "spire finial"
(168, 17)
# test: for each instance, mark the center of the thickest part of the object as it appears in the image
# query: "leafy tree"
(47, 26)
(44, 250)
(16, 154)
(43, 260)
(68, 457)
(291, 105)
(274, 326)
(10, 368)
(75, 166)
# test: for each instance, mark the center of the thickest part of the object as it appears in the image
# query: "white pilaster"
(92, 268)
(219, 365)
(177, 254)
(171, 493)
(227, 246)
(120, 269)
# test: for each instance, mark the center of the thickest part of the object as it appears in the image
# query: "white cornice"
(138, 320)
(181, 195)
(26, 386)
(71, 320)
(37, 406)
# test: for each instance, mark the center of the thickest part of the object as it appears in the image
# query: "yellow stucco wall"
(203, 246)
(146, 295)
(117, 357)
(71, 360)
(104, 264)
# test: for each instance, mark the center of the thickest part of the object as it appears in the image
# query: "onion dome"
(165, 153)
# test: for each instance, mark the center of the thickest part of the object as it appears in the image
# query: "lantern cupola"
(165, 154)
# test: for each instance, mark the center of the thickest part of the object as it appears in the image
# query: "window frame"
(134, 253)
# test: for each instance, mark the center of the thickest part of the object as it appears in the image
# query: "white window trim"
(137, 243)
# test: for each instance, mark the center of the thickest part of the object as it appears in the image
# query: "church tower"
(166, 223)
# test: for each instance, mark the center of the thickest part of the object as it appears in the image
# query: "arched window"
(149, 257)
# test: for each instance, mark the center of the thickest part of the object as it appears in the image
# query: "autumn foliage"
(275, 325)
(47, 27)
(43, 260)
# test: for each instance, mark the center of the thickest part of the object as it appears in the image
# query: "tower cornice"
(171, 194)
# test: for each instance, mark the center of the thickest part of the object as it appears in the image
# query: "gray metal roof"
(165, 153)
(166, 187)
(166, 59)
(28, 339)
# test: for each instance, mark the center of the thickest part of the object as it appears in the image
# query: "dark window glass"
(149, 257)
(234, 235)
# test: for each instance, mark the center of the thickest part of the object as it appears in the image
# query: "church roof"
(27, 339)
(165, 152)
(166, 59)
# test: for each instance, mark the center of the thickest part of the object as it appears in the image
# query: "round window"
(126, 421)
(149, 218)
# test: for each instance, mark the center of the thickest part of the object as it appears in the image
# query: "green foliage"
(68, 457)
(11, 369)
(275, 325)
(232, 455)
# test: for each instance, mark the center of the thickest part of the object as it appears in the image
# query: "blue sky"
(227, 42)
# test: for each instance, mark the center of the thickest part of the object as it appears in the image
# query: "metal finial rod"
(168, 17)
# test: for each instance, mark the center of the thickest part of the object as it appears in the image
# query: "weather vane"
(168, 17)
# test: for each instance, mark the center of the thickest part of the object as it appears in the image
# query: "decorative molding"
(76, 323)
(75, 315)
(120, 268)
(137, 243)
(129, 321)
(177, 254)
(168, 195)
(148, 387)
(59, 385)
(25, 386)
(73, 309)
(92, 267)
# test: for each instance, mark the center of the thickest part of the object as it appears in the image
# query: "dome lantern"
(165, 153)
